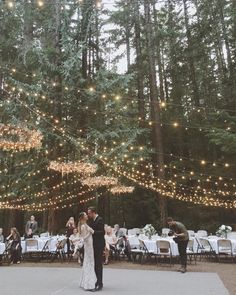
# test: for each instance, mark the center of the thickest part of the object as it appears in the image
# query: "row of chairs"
(32, 251)
(204, 250)
(224, 249)
(164, 232)
(163, 251)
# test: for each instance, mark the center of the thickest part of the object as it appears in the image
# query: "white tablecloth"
(152, 246)
(213, 242)
(2, 248)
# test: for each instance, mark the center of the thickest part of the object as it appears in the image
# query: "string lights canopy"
(121, 189)
(13, 138)
(166, 188)
(99, 181)
(73, 167)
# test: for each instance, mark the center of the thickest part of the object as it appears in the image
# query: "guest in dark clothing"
(15, 245)
(31, 224)
(70, 226)
(180, 233)
(96, 223)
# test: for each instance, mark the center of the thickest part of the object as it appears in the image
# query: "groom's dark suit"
(99, 246)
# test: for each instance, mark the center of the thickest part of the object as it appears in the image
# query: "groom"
(98, 244)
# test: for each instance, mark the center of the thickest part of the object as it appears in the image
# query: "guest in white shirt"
(77, 245)
(111, 241)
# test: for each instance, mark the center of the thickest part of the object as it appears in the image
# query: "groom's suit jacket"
(98, 237)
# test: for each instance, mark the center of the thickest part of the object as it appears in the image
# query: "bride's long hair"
(80, 223)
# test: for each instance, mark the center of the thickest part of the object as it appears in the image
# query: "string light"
(98, 4)
(40, 3)
(162, 104)
(175, 124)
(179, 196)
(71, 167)
(10, 4)
(27, 139)
(150, 123)
(171, 191)
(121, 189)
(99, 181)
(198, 109)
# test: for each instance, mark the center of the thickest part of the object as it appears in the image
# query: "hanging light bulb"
(175, 124)
(98, 4)
(10, 4)
(163, 104)
(40, 3)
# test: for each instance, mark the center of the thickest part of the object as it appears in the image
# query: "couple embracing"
(91, 230)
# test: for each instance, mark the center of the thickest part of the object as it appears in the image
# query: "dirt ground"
(226, 271)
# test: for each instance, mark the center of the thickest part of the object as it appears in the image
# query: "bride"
(88, 279)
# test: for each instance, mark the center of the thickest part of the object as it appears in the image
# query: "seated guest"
(15, 245)
(77, 245)
(29, 234)
(31, 224)
(1, 236)
(111, 241)
(75, 235)
(127, 248)
(118, 233)
(123, 243)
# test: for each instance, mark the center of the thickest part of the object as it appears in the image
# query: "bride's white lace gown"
(88, 279)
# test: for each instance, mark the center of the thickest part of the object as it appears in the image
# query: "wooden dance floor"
(65, 281)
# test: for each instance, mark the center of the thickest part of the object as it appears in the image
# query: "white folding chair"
(32, 249)
(201, 233)
(134, 242)
(224, 248)
(143, 237)
(164, 250)
(205, 248)
(190, 251)
(191, 233)
(131, 232)
(31, 245)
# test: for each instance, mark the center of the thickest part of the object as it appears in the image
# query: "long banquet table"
(152, 245)
(214, 244)
(41, 243)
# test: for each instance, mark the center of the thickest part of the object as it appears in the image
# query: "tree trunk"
(158, 52)
(140, 65)
(190, 56)
(58, 92)
(155, 109)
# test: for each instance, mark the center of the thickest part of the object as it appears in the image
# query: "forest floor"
(226, 271)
